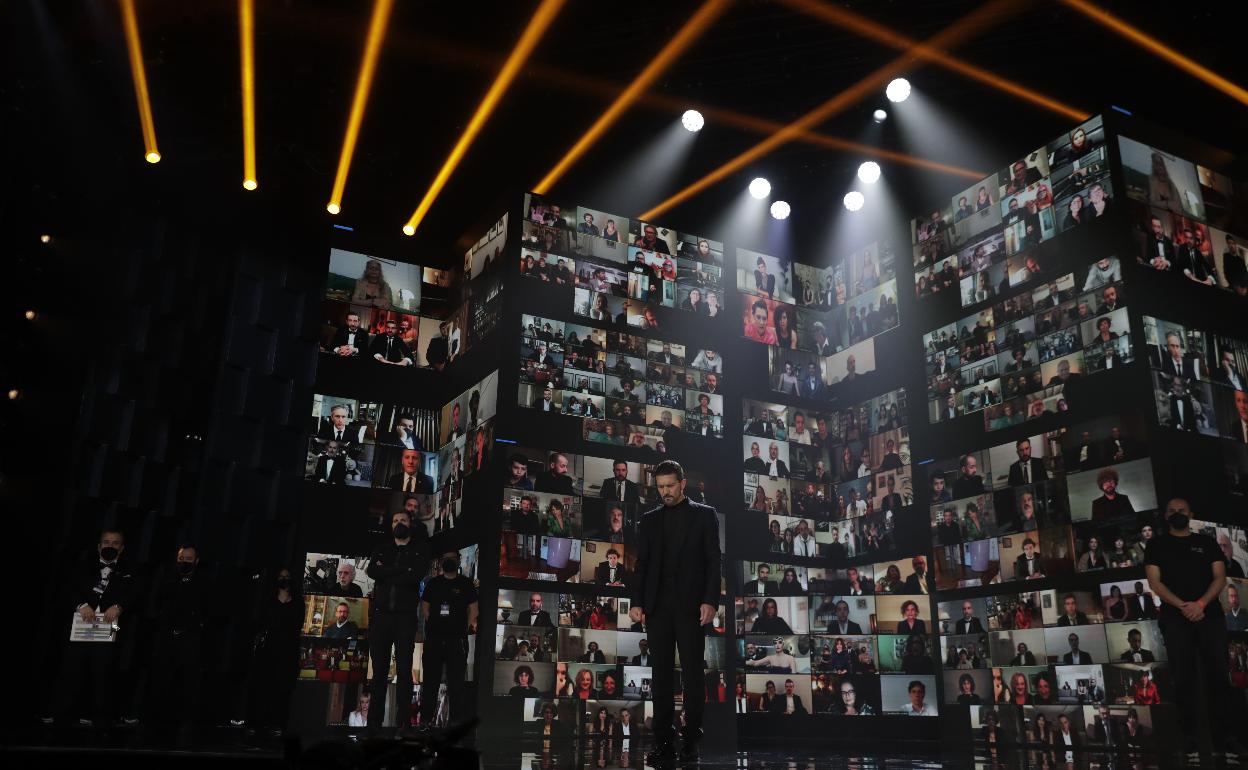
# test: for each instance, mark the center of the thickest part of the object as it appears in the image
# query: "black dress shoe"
(662, 755)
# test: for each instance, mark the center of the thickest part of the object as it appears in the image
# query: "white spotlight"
(869, 172)
(760, 188)
(854, 200)
(898, 90)
(692, 120)
(780, 210)
(880, 116)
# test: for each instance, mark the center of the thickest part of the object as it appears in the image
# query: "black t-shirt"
(448, 605)
(1186, 566)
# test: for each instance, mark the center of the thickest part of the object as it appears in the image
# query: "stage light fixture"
(14, 394)
(780, 210)
(247, 68)
(537, 26)
(1156, 47)
(333, 208)
(869, 172)
(854, 200)
(880, 116)
(984, 16)
(887, 35)
(692, 120)
(674, 47)
(898, 90)
(759, 188)
(30, 315)
(138, 73)
(45, 238)
(364, 82)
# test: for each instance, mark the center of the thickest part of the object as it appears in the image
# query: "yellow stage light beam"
(693, 29)
(247, 47)
(865, 27)
(541, 20)
(1160, 49)
(984, 16)
(138, 72)
(372, 47)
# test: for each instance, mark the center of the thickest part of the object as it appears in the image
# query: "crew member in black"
(274, 660)
(675, 591)
(101, 588)
(396, 570)
(1187, 572)
(182, 605)
(449, 606)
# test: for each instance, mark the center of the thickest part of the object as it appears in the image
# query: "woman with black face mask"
(275, 654)
(1187, 571)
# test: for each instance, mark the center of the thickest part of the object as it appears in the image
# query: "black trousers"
(451, 651)
(1205, 640)
(270, 682)
(92, 662)
(669, 629)
(177, 669)
(395, 630)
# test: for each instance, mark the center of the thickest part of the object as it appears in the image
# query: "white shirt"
(329, 467)
(804, 546)
(742, 705)
(800, 438)
(410, 482)
(789, 707)
(926, 711)
(356, 719)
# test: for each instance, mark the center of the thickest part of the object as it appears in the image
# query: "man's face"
(967, 610)
(391, 328)
(338, 416)
(535, 602)
(938, 484)
(1134, 640)
(559, 465)
(1110, 295)
(918, 565)
(1109, 486)
(852, 575)
(411, 461)
(455, 415)
(1177, 386)
(916, 696)
(760, 318)
(788, 687)
(620, 470)
(773, 451)
(346, 574)
(1073, 641)
(972, 466)
(1063, 369)
(842, 611)
(1024, 450)
(1156, 225)
(1029, 549)
(1020, 171)
(1232, 597)
(712, 381)
(612, 559)
(652, 235)
(1241, 404)
(589, 219)
(1172, 345)
(750, 650)
(341, 613)
(799, 422)
(353, 322)
(671, 488)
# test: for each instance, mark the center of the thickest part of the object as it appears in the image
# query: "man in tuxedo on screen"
(405, 433)
(350, 340)
(1028, 469)
(546, 402)
(619, 487)
(763, 585)
(1071, 615)
(339, 427)
(1135, 652)
(1182, 414)
(389, 348)
(642, 658)
(812, 383)
(969, 482)
(438, 351)
(840, 622)
(968, 623)
(1175, 363)
(1237, 429)
(611, 572)
(535, 615)
(331, 467)
(1142, 606)
(1228, 372)
(555, 478)
(675, 591)
(411, 478)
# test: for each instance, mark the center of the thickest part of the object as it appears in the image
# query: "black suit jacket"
(602, 574)
(834, 627)
(1038, 473)
(1187, 367)
(350, 434)
(1081, 619)
(913, 587)
(340, 339)
(550, 481)
(769, 587)
(398, 348)
(337, 475)
(631, 493)
(543, 619)
(1187, 421)
(593, 657)
(698, 565)
(424, 484)
(1148, 612)
(1145, 655)
(972, 626)
(123, 585)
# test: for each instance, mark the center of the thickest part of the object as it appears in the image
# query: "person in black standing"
(274, 660)
(449, 607)
(182, 603)
(100, 589)
(1187, 572)
(675, 592)
(396, 570)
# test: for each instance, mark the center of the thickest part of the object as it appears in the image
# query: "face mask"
(109, 553)
(449, 565)
(186, 567)
(401, 531)
(283, 582)
(1178, 521)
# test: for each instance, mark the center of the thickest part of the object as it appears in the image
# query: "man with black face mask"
(449, 607)
(396, 570)
(182, 603)
(100, 589)
(1187, 572)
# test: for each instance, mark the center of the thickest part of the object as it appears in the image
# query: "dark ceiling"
(72, 138)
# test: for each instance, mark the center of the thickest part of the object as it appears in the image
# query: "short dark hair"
(519, 458)
(670, 468)
(112, 531)
(916, 683)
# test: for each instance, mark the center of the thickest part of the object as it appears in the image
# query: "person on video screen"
(675, 592)
(412, 479)
(350, 340)
(389, 348)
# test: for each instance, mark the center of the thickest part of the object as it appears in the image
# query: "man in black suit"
(968, 623)
(774, 466)
(592, 654)
(1175, 363)
(1071, 615)
(919, 581)
(1182, 414)
(342, 627)
(812, 384)
(1076, 656)
(1027, 469)
(968, 482)
(840, 623)
(404, 433)
(411, 479)
(331, 467)
(1025, 657)
(1158, 248)
(438, 352)
(350, 340)
(1136, 653)
(100, 589)
(675, 591)
(618, 487)
(339, 427)
(1028, 565)
(542, 356)
(892, 502)
(665, 356)
(1085, 455)
(535, 615)
(389, 348)
(1237, 428)
(555, 478)
(611, 572)
(790, 702)
(754, 463)
(764, 585)
(642, 658)
(761, 425)
(1117, 448)
(1142, 606)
